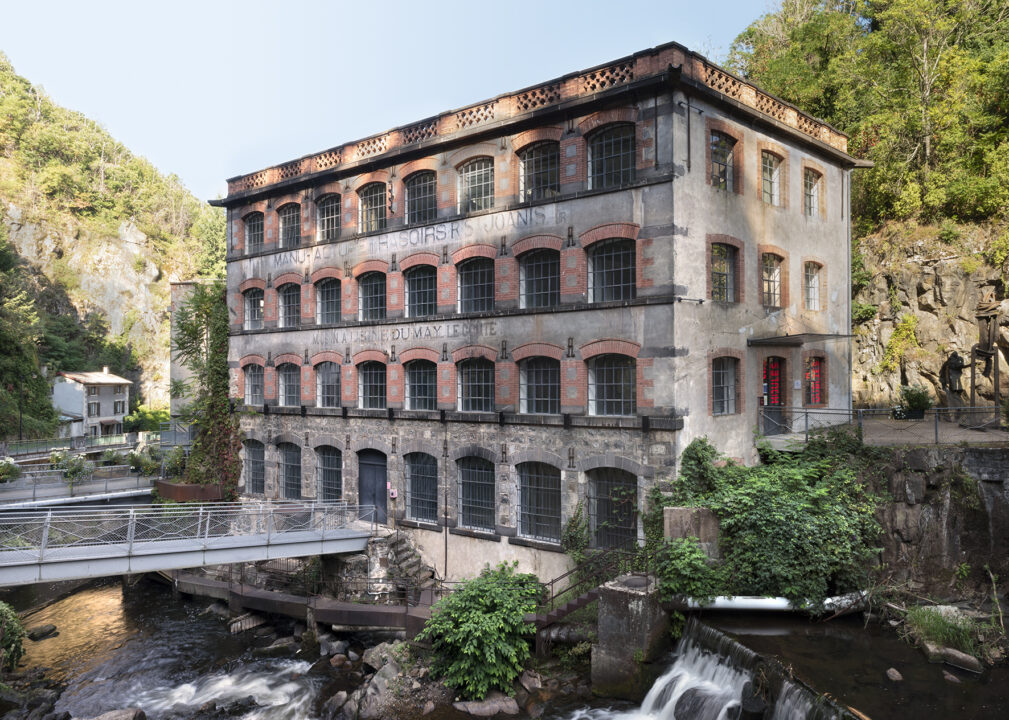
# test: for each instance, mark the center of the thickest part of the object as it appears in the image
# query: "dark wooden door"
(371, 481)
(774, 396)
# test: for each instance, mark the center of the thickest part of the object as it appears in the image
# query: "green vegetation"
(9, 470)
(901, 340)
(201, 344)
(12, 635)
(800, 526)
(145, 418)
(479, 633)
(914, 397)
(75, 468)
(926, 624)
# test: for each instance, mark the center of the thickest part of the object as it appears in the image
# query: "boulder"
(281, 648)
(961, 660)
(41, 632)
(331, 708)
(494, 704)
(124, 714)
(379, 655)
(339, 660)
(531, 681)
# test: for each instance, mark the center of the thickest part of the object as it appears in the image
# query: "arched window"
(612, 269)
(290, 470)
(327, 384)
(289, 296)
(476, 493)
(722, 149)
(540, 174)
(253, 232)
(770, 178)
(329, 473)
(289, 385)
(421, 291)
(371, 385)
(421, 197)
(539, 501)
(476, 285)
(812, 181)
(612, 385)
(540, 278)
(328, 218)
(421, 487)
(372, 201)
(327, 301)
(255, 468)
(253, 309)
(613, 508)
(476, 185)
(290, 225)
(611, 156)
(371, 296)
(253, 384)
(540, 385)
(476, 385)
(421, 385)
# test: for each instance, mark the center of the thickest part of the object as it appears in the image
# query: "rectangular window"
(119, 407)
(255, 469)
(540, 278)
(540, 174)
(328, 301)
(722, 148)
(540, 385)
(723, 273)
(254, 309)
(120, 389)
(422, 487)
(372, 198)
(540, 501)
(329, 218)
(611, 157)
(327, 384)
(290, 225)
(253, 384)
(612, 270)
(371, 296)
(810, 193)
(476, 385)
(254, 233)
(421, 197)
(371, 385)
(723, 386)
(421, 385)
(476, 285)
(92, 390)
(94, 409)
(811, 285)
(814, 387)
(421, 291)
(476, 185)
(770, 280)
(770, 178)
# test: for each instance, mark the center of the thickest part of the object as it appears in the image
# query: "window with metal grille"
(327, 384)
(476, 493)
(290, 225)
(539, 501)
(723, 273)
(813, 390)
(540, 278)
(722, 148)
(371, 296)
(327, 301)
(254, 309)
(253, 384)
(611, 157)
(540, 384)
(290, 305)
(811, 192)
(289, 384)
(476, 185)
(329, 473)
(255, 468)
(612, 385)
(476, 385)
(290, 470)
(372, 200)
(371, 385)
(612, 270)
(770, 280)
(723, 385)
(540, 175)
(770, 178)
(421, 291)
(811, 285)
(328, 214)
(421, 385)
(421, 487)
(613, 508)
(421, 197)
(476, 285)
(253, 232)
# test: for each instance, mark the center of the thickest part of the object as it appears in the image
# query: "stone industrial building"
(481, 320)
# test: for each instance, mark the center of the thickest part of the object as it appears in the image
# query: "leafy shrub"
(175, 461)
(75, 468)
(575, 538)
(862, 312)
(12, 635)
(478, 633)
(682, 569)
(143, 463)
(914, 397)
(111, 457)
(9, 470)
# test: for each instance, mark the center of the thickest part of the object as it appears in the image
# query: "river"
(170, 658)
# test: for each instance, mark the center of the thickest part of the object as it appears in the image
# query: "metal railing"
(599, 568)
(29, 537)
(37, 447)
(52, 483)
(887, 426)
(176, 433)
(93, 441)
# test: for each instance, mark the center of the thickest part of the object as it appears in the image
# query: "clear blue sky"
(208, 90)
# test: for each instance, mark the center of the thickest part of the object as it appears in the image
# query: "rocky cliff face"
(927, 289)
(114, 276)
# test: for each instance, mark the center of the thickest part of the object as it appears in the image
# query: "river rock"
(331, 708)
(353, 656)
(950, 677)
(41, 632)
(894, 674)
(495, 703)
(217, 608)
(339, 647)
(281, 648)
(124, 714)
(379, 655)
(339, 660)
(428, 708)
(932, 651)
(961, 660)
(531, 681)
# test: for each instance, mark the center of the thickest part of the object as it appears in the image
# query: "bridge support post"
(234, 603)
(130, 582)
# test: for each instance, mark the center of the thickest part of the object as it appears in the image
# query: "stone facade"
(537, 302)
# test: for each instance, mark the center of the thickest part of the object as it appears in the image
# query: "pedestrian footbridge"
(47, 546)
